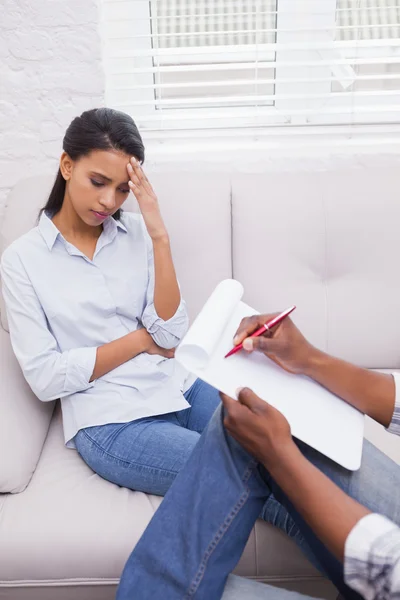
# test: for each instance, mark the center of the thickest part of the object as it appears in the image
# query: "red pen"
(264, 328)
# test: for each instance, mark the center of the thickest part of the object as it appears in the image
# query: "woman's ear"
(66, 166)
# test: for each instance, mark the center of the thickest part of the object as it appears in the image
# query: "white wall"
(50, 71)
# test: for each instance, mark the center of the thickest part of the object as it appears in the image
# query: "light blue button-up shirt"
(61, 307)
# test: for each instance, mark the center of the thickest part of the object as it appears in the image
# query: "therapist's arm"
(265, 433)
(372, 393)
(368, 544)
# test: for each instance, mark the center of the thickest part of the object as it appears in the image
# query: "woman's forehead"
(110, 163)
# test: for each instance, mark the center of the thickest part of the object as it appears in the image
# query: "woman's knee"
(149, 467)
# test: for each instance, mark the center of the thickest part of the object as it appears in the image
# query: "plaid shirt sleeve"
(372, 552)
(394, 426)
(372, 558)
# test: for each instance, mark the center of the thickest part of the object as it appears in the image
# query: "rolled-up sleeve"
(394, 426)
(372, 558)
(166, 334)
(50, 373)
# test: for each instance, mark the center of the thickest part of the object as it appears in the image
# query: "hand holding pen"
(283, 342)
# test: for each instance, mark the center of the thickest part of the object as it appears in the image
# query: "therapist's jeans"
(148, 454)
(240, 588)
(198, 534)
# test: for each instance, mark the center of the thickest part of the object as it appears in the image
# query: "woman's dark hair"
(96, 129)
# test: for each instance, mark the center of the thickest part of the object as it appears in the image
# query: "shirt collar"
(50, 232)
(110, 227)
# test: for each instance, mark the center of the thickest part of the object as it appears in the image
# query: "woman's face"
(97, 184)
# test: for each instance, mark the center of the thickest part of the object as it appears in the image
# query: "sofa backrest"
(326, 241)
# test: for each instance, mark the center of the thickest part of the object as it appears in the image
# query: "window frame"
(281, 113)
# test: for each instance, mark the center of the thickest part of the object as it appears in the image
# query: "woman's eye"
(96, 183)
(124, 191)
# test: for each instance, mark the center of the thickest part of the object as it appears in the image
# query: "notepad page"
(316, 416)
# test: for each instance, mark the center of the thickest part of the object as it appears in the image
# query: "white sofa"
(332, 248)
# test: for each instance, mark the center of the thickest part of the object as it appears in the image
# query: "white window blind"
(195, 64)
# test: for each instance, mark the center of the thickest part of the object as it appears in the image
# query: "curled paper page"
(200, 341)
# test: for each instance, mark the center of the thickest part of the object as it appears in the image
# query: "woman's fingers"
(143, 180)
(137, 169)
(132, 174)
(139, 178)
(134, 189)
(134, 183)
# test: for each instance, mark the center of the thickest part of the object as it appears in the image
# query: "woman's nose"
(108, 201)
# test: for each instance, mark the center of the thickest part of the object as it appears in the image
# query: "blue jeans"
(240, 588)
(146, 455)
(198, 534)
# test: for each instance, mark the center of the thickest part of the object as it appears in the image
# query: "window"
(197, 64)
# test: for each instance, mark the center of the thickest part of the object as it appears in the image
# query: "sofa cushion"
(24, 422)
(72, 526)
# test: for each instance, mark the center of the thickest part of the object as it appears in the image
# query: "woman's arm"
(165, 316)
(167, 296)
(372, 393)
(50, 373)
(115, 353)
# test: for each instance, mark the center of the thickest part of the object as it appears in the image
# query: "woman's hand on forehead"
(147, 200)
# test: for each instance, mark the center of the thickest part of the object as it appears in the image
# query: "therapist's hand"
(264, 432)
(284, 344)
(259, 427)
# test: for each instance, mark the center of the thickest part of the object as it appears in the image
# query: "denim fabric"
(198, 534)
(147, 454)
(240, 588)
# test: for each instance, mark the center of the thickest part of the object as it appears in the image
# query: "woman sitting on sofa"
(95, 311)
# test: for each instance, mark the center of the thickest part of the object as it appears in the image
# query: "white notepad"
(316, 416)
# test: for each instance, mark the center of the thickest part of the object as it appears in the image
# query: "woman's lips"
(100, 215)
